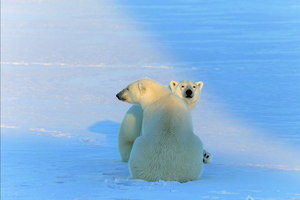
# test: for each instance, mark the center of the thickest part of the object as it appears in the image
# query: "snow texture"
(62, 62)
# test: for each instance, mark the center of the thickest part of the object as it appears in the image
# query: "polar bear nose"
(119, 96)
(189, 93)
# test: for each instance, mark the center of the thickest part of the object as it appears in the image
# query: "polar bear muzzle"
(120, 96)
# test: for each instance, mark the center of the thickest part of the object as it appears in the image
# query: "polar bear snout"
(120, 96)
(189, 93)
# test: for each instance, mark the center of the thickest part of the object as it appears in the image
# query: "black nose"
(118, 96)
(188, 93)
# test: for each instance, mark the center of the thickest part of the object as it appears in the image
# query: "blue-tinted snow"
(248, 52)
(62, 62)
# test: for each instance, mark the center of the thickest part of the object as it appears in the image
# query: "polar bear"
(167, 148)
(189, 91)
(131, 125)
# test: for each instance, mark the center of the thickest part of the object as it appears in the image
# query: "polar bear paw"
(206, 157)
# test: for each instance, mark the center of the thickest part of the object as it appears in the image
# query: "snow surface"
(62, 62)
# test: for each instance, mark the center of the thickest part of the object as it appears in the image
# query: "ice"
(62, 62)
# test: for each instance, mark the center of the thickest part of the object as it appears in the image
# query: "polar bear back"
(168, 148)
(166, 115)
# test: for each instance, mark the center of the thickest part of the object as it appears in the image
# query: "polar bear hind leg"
(206, 157)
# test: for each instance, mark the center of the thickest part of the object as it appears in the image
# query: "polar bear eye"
(194, 86)
(127, 89)
(182, 86)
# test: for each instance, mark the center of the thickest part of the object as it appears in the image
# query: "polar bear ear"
(200, 84)
(173, 84)
(141, 87)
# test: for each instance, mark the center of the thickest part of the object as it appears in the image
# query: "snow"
(62, 63)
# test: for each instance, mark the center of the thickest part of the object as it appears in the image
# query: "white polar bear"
(189, 91)
(167, 148)
(131, 125)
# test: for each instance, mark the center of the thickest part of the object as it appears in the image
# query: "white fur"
(167, 148)
(180, 88)
(130, 129)
(132, 122)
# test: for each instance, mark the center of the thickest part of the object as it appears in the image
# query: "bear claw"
(206, 157)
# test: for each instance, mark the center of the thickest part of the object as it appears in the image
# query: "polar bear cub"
(167, 148)
(131, 125)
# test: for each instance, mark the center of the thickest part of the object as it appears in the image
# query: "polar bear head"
(189, 91)
(143, 92)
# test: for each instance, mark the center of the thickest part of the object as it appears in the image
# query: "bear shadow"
(106, 127)
(114, 167)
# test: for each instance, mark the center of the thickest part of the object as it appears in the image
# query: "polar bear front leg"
(125, 147)
(130, 129)
(206, 157)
